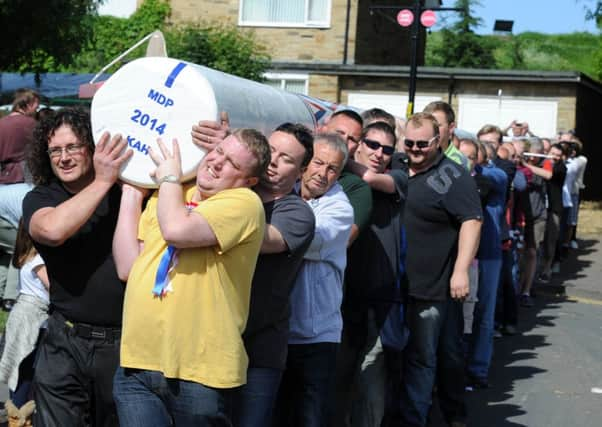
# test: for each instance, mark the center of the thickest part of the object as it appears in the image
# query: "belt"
(87, 331)
(84, 330)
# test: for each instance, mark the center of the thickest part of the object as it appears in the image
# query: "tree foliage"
(103, 38)
(34, 39)
(222, 47)
(461, 46)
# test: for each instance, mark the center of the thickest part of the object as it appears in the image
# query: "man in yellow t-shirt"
(188, 259)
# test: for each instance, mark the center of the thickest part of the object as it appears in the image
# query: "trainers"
(574, 244)
(497, 333)
(526, 301)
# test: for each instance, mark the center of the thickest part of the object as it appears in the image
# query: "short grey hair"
(334, 141)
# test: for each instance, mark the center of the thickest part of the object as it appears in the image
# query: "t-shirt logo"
(440, 181)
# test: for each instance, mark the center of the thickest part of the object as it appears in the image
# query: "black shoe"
(473, 383)
(526, 301)
(8, 304)
(509, 330)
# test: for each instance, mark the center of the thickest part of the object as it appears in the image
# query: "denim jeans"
(434, 350)
(148, 399)
(307, 392)
(484, 318)
(253, 403)
(506, 312)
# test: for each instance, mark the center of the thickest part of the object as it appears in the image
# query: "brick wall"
(284, 44)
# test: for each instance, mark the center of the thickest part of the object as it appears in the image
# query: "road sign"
(428, 18)
(405, 17)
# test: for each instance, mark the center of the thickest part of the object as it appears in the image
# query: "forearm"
(180, 227)
(126, 246)
(377, 181)
(52, 226)
(273, 242)
(468, 244)
(544, 173)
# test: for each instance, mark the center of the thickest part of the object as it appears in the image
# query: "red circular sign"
(428, 18)
(405, 17)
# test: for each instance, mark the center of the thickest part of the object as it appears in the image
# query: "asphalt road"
(549, 374)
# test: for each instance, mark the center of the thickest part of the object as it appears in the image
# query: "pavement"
(550, 375)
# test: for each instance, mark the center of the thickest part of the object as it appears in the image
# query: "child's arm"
(42, 274)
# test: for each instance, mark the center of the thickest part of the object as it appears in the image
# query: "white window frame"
(305, 24)
(283, 77)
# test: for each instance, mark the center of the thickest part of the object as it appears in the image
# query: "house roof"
(437, 73)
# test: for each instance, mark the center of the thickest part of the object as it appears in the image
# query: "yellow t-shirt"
(194, 332)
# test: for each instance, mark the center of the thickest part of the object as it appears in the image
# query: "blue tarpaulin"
(52, 85)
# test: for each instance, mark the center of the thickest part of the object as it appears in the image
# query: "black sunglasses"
(375, 145)
(420, 144)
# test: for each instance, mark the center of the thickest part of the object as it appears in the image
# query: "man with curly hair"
(71, 215)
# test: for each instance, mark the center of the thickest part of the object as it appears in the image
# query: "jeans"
(484, 318)
(148, 399)
(434, 350)
(73, 378)
(506, 312)
(253, 403)
(360, 371)
(307, 389)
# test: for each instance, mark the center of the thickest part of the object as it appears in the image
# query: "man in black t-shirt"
(442, 219)
(71, 215)
(290, 227)
(370, 281)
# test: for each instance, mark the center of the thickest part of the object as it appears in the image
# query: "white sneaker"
(574, 244)
(556, 268)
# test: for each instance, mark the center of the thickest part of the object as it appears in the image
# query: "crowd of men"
(342, 277)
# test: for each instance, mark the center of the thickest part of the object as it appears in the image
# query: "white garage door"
(474, 112)
(394, 104)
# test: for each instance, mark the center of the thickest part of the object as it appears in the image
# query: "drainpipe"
(346, 38)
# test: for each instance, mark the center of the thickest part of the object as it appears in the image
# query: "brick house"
(339, 51)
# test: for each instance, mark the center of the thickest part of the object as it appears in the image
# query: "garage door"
(394, 104)
(474, 112)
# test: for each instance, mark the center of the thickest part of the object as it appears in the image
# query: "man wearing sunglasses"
(370, 281)
(442, 219)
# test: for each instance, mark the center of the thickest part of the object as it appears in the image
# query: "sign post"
(405, 18)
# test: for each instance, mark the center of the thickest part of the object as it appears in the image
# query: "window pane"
(318, 10)
(297, 86)
(277, 84)
(275, 11)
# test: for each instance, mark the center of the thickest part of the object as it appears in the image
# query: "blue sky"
(544, 16)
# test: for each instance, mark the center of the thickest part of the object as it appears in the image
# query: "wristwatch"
(169, 178)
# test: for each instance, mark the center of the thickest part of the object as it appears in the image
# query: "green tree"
(460, 46)
(35, 39)
(112, 35)
(222, 47)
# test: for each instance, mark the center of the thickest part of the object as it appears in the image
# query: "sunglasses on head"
(375, 145)
(420, 144)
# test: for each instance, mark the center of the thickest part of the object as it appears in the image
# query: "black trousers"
(73, 381)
